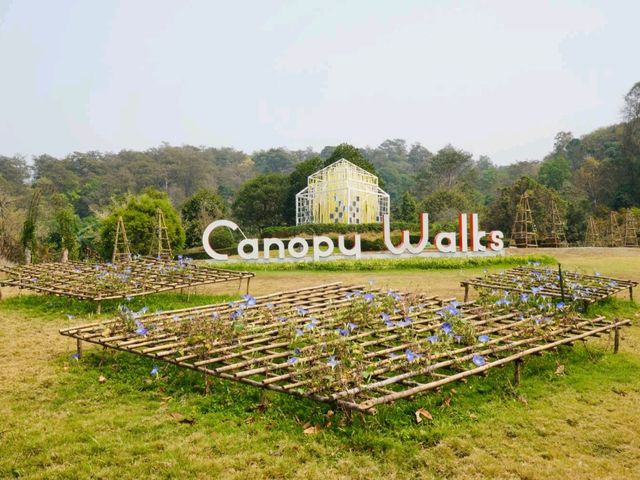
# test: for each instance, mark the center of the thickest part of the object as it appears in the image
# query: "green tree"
(198, 211)
(408, 208)
(445, 204)
(445, 170)
(260, 201)
(64, 232)
(554, 172)
(274, 160)
(139, 215)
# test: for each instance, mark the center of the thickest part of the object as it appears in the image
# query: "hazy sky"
(495, 78)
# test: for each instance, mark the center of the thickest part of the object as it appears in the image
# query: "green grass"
(392, 264)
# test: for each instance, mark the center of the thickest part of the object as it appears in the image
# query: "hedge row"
(343, 228)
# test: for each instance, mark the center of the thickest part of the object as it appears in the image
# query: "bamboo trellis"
(121, 248)
(262, 353)
(592, 238)
(523, 232)
(630, 237)
(569, 286)
(164, 246)
(98, 281)
(555, 236)
(613, 234)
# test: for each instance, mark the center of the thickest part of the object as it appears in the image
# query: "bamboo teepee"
(523, 233)
(556, 236)
(613, 234)
(121, 247)
(592, 238)
(164, 246)
(630, 236)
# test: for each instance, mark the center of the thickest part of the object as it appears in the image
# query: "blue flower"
(299, 333)
(351, 326)
(478, 360)
(302, 311)
(446, 327)
(143, 310)
(348, 295)
(141, 330)
(76, 356)
(249, 299)
(70, 317)
(560, 305)
(483, 338)
(292, 360)
(433, 338)
(613, 284)
(503, 301)
(128, 298)
(343, 331)
(411, 355)
(282, 319)
(536, 290)
(215, 315)
(453, 310)
(368, 297)
(457, 338)
(297, 351)
(332, 362)
(270, 305)
(524, 297)
(386, 319)
(154, 370)
(598, 274)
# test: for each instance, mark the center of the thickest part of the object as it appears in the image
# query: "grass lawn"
(575, 414)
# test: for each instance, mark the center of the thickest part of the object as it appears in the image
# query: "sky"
(495, 78)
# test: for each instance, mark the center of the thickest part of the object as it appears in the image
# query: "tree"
(64, 234)
(298, 181)
(139, 215)
(445, 204)
(274, 160)
(408, 208)
(445, 169)
(198, 211)
(554, 172)
(631, 143)
(260, 201)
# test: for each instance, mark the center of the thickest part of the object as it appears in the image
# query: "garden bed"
(568, 286)
(107, 281)
(349, 345)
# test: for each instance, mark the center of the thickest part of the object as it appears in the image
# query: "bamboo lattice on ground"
(630, 238)
(523, 232)
(546, 281)
(98, 281)
(356, 365)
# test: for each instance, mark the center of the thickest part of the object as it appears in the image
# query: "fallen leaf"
(522, 400)
(182, 419)
(422, 413)
(312, 430)
(330, 413)
(102, 379)
(560, 370)
(446, 402)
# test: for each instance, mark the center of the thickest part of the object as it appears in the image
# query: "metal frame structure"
(341, 193)
(261, 354)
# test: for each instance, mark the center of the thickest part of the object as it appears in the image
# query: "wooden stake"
(616, 339)
(79, 348)
(517, 371)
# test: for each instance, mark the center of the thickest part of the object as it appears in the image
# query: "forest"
(48, 204)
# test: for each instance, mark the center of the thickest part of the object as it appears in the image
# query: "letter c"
(207, 232)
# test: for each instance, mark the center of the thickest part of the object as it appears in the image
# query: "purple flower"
(386, 319)
(560, 305)
(215, 315)
(76, 356)
(446, 328)
(332, 362)
(411, 355)
(598, 274)
(299, 333)
(457, 338)
(368, 297)
(433, 338)
(343, 331)
(70, 317)
(351, 326)
(478, 360)
(128, 298)
(536, 290)
(302, 311)
(270, 305)
(524, 297)
(154, 370)
(249, 300)
(404, 323)
(483, 338)
(292, 360)
(502, 301)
